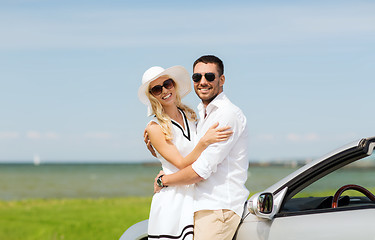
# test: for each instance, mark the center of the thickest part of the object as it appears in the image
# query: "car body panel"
(349, 224)
(137, 231)
(352, 222)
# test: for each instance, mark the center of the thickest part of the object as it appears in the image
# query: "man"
(220, 172)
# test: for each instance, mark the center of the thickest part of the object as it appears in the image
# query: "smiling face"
(207, 90)
(167, 96)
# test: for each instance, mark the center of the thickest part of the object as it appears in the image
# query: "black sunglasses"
(198, 76)
(158, 89)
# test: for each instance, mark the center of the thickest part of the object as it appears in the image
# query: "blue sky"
(302, 72)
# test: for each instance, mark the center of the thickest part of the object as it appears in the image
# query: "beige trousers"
(215, 224)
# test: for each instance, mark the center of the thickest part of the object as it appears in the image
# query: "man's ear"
(222, 80)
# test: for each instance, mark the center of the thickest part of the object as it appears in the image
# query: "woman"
(172, 134)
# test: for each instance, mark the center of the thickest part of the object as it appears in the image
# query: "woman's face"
(167, 96)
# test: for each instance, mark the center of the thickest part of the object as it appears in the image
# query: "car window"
(319, 194)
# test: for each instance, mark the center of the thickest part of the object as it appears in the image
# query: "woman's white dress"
(171, 214)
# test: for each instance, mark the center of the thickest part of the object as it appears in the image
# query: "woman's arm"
(169, 151)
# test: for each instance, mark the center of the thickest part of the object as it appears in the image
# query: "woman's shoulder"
(153, 127)
(155, 133)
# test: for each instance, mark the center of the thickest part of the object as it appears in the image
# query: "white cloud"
(266, 137)
(311, 137)
(293, 137)
(33, 135)
(98, 135)
(36, 135)
(51, 135)
(9, 135)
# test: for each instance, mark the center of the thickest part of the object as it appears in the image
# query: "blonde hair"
(163, 118)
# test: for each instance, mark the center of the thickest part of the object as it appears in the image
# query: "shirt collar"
(213, 104)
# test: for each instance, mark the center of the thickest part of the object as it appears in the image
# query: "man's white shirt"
(223, 165)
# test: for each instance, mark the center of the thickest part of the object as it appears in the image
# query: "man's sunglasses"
(158, 89)
(209, 77)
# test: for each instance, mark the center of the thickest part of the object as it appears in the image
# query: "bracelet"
(159, 181)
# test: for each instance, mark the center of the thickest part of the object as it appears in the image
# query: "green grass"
(94, 219)
(71, 218)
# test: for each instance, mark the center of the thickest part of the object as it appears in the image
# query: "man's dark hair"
(211, 59)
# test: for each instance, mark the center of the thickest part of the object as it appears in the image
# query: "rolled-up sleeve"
(207, 163)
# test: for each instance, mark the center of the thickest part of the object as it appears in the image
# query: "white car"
(301, 207)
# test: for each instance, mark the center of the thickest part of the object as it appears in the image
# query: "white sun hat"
(179, 74)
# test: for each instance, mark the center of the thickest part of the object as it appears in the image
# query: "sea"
(93, 180)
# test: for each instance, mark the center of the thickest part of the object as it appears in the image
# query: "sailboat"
(36, 160)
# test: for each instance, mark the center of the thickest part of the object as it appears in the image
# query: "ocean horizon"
(20, 181)
(99, 180)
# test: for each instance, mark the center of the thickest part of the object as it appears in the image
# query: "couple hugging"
(200, 192)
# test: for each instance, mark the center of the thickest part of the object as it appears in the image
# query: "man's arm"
(148, 143)
(215, 154)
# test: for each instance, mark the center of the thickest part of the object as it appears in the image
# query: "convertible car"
(329, 198)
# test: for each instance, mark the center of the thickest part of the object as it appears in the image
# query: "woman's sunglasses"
(158, 89)
(209, 77)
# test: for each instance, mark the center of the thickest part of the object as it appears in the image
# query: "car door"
(310, 214)
(347, 223)
(310, 203)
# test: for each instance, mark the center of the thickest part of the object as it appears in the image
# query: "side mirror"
(265, 203)
(261, 204)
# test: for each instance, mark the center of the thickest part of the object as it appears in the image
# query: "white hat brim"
(179, 74)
